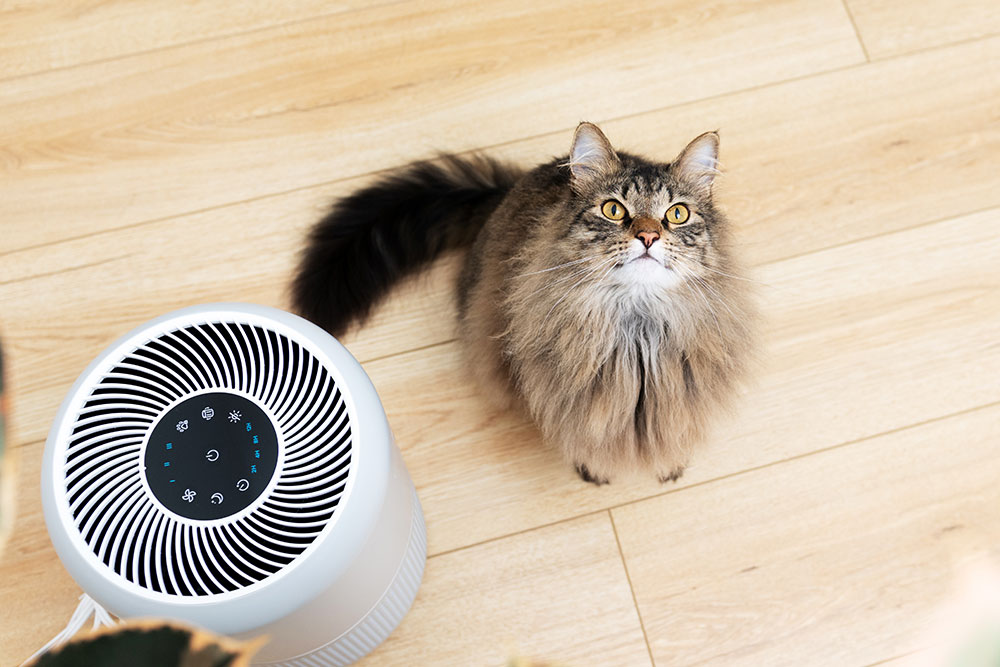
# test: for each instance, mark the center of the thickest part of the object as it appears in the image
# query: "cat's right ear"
(592, 155)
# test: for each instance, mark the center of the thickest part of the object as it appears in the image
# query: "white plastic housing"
(326, 561)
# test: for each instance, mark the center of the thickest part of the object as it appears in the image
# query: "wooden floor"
(157, 154)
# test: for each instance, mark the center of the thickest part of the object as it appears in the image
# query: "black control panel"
(211, 455)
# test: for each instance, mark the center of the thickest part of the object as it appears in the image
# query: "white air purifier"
(231, 466)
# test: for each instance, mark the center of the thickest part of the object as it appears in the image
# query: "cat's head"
(652, 225)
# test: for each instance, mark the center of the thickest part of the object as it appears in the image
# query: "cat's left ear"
(592, 155)
(698, 163)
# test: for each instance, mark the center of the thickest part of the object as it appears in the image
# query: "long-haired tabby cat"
(599, 290)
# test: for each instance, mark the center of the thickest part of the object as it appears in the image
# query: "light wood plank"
(179, 130)
(110, 283)
(787, 197)
(527, 596)
(48, 34)
(916, 659)
(471, 608)
(840, 558)
(37, 595)
(893, 27)
(908, 334)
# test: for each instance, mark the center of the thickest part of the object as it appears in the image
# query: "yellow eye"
(678, 214)
(613, 210)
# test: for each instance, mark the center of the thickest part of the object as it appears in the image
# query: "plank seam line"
(857, 32)
(877, 235)
(713, 480)
(901, 655)
(631, 588)
(48, 274)
(203, 40)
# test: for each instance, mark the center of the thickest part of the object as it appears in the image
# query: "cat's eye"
(613, 210)
(677, 214)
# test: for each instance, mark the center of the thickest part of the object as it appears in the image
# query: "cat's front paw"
(673, 476)
(587, 476)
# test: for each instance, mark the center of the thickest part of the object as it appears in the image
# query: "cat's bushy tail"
(391, 228)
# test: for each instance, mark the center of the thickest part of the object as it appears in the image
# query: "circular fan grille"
(133, 534)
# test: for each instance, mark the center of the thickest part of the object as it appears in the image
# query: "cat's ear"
(592, 155)
(698, 164)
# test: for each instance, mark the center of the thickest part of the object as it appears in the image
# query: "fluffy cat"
(599, 290)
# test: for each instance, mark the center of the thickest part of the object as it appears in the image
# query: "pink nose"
(647, 238)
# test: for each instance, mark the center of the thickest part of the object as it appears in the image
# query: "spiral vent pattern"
(124, 525)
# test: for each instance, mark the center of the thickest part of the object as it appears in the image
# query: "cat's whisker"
(606, 273)
(750, 280)
(708, 308)
(568, 277)
(692, 274)
(590, 268)
(573, 274)
(729, 275)
(688, 273)
(601, 265)
(718, 297)
(559, 266)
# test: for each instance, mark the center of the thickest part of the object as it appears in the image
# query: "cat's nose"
(647, 238)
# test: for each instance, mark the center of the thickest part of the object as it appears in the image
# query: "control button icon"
(188, 495)
(217, 499)
(182, 425)
(242, 485)
(207, 413)
(234, 416)
(212, 455)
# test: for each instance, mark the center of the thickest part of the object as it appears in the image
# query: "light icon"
(234, 416)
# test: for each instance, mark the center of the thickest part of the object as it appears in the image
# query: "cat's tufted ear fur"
(698, 162)
(592, 155)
